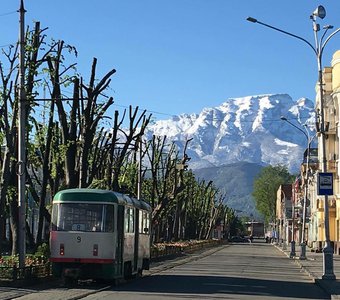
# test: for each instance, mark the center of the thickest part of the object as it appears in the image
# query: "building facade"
(305, 190)
(284, 205)
(316, 225)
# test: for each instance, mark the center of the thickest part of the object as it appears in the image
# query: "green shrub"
(43, 251)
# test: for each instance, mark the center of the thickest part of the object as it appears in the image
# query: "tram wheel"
(127, 270)
(69, 281)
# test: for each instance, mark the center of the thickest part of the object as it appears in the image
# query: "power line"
(150, 111)
(220, 119)
(8, 13)
(171, 115)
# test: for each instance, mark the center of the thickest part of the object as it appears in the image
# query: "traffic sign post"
(325, 183)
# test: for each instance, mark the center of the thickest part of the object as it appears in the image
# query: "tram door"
(135, 260)
(120, 236)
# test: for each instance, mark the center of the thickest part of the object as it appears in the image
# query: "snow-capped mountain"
(243, 129)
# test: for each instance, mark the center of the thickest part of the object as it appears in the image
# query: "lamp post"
(21, 167)
(284, 225)
(304, 209)
(320, 12)
(292, 243)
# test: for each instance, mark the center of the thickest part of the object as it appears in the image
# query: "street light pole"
(304, 208)
(21, 168)
(140, 177)
(328, 270)
(284, 225)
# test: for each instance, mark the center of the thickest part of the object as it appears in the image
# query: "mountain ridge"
(233, 141)
(242, 129)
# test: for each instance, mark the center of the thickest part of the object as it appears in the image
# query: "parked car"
(238, 239)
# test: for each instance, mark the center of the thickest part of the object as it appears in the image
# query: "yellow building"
(335, 96)
(331, 89)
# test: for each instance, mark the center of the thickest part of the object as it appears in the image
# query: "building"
(311, 229)
(316, 229)
(284, 214)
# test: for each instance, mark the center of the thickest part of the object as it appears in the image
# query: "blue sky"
(178, 56)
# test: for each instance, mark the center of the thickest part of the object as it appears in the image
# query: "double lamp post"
(318, 48)
(305, 198)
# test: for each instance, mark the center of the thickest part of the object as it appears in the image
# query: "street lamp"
(284, 225)
(320, 12)
(21, 167)
(305, 198)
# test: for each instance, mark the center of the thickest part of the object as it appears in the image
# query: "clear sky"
(178, 56)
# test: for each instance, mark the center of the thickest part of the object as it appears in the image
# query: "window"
(144, 222)
(129, 219)
(82, 217)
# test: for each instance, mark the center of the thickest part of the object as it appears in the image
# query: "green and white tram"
(99, 234)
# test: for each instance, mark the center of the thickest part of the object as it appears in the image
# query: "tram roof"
(98, 195)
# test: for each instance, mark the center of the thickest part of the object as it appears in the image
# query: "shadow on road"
(185, 284)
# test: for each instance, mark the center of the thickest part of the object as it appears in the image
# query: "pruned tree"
(131, 137)
(8, 152)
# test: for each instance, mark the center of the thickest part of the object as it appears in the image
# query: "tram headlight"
(95, 250)
(62, 249)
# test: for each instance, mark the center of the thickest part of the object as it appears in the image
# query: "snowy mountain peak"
(242, 129)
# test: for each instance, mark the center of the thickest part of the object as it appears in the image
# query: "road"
(238, 271)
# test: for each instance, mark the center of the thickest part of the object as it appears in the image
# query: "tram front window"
(82, 217)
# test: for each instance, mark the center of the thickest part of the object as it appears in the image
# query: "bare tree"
(8, 129)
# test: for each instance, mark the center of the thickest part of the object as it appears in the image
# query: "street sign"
(325, 183)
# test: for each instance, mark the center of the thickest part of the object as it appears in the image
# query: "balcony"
(332, 166)
(320, 204)
(330, 127)
(312, 166)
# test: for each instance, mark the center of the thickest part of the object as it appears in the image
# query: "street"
(237, 271)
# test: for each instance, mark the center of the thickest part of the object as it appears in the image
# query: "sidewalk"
(313, 265)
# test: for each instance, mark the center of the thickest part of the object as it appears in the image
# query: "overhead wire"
(3, 15)
(208, 119)
(8, 13)
(218, 119)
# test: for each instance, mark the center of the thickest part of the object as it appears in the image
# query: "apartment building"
(305, 189)
(316, 226)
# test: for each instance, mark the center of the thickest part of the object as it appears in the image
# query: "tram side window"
(109, 219)
(54, 219)
(144, 222)
(129, 219)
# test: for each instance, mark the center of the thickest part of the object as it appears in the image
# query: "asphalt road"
(239, 271)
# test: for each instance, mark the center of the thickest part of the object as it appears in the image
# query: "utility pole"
(21, 168)
(139, 184)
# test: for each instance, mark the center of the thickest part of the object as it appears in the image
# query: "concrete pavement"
(313, 265)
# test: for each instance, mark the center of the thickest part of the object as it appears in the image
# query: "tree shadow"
(207, 285)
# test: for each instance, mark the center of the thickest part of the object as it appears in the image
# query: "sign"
(325, 183)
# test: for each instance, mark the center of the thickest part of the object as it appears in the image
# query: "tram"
(99, 234)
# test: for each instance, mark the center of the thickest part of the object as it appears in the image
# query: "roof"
(98, 195)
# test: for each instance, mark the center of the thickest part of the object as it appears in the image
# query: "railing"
(30, 272)
(169, 250)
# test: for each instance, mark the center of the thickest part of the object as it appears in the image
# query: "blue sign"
(325, 183)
